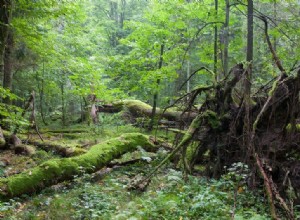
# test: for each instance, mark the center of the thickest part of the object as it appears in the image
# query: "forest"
(149, 109)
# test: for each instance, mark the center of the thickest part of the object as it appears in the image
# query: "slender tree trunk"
(216, 44)
(247, 79)
(8, 65)
(226, 37)
(275, 16)
(113, 16)
(155, 96)
(93, 110)
(122, 14)
(63, 118)
(250, 32)
(188, 73)
(40, 86)
(5, 15)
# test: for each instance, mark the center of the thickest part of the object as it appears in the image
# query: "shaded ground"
(104, 195)
(167, 197)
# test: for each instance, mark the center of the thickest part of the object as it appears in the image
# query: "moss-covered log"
(58, 148)
(61, 149)
(138, 108)
(2, 140)
(56, 170)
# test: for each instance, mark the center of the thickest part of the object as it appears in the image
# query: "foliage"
(168, 197)
(10, 115)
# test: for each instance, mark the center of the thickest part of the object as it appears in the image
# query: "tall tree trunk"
(40, 85)
(84, 110)
(216, 43)
(113, 14)
(249, 57)
(155, 96)
(5, 15)
(122, 14)
(188, 73)
(8, 65)
(275, 20)
(247, 79)
(63, 109)
(226, 37)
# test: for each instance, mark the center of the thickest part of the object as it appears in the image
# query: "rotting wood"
(57, 170)
(138, 108)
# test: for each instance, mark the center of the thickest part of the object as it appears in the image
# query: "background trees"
(113, 49)
(78, 53)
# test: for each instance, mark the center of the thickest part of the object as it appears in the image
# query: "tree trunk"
(8, 65)
(5, 15)
(122, 14)
(93, 110)
(275, 20)
(40, 85)
(2, 139)
(63, 109)
(247, 79)
(226, 37)
(140, 109)
(57, 170)
(113, 14)
(216, 43)
(155, 97)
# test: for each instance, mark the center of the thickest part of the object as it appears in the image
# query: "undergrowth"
(167, 197)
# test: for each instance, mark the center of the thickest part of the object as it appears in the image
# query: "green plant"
(10, 115)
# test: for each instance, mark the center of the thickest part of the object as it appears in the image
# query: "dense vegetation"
(200, 97)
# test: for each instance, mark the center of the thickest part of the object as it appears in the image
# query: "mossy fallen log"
(65, 131)
(2, 140)
(138, 108)
(58, 148)
(61, 149)
(57, 170)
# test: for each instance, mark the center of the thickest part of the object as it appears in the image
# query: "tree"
(5, 17)
(247, 78)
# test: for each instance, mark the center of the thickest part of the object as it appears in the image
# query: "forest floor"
(104, 194)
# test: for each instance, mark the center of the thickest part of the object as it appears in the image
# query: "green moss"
(289, 127)
(137, 104)
(56, 170)
(212, 118)
(2, 142)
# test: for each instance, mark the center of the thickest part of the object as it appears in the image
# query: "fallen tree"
(137, 108)
(57, 170)
(19, 144)
(261, 131)
(2, 140)
(273, 155)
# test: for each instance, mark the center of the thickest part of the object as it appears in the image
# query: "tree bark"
(93, 110)
(155, 97)
(248, 75)
(63, 107)
(40, 85)
(216, 43)
(57, 170)
(226, 37)
(5, 15)
(2, 139)
(8, 65)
